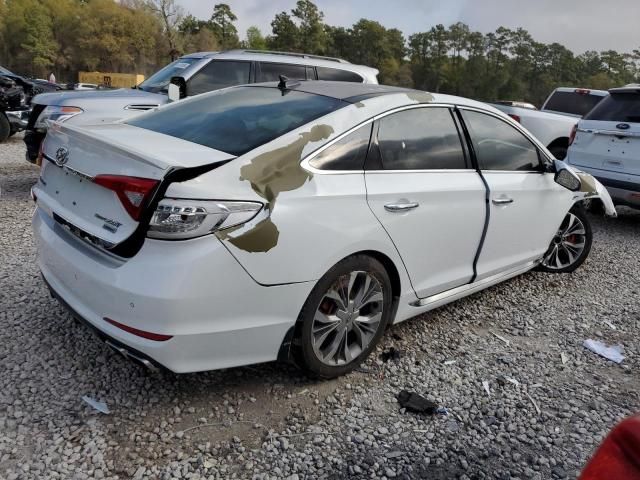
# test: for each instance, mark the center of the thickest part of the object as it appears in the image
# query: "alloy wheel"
(567, 245)
(347, 318)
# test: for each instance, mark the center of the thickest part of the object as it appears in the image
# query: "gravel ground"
(269, 421)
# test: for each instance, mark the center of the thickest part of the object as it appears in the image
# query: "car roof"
(631, 88)
(352, 92)
(286, 57)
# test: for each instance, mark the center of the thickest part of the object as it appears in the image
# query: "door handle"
(401, 207)
(502, 201)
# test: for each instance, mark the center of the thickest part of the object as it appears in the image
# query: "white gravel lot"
(269, 421)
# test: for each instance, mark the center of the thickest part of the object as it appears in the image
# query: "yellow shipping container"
(122, 80)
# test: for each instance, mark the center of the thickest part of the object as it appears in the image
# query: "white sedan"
(295, 221)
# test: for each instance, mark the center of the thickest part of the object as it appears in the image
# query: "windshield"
(573, 103)
(617, 107)
(4, 71)
(237, 120)
(159, 81)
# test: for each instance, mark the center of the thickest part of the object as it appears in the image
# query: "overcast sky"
(577, 24)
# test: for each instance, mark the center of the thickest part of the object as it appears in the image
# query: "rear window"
(334, 74)
(237, 120)
(572, 102)
(617, 107)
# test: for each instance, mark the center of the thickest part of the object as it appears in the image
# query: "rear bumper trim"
(126, 351)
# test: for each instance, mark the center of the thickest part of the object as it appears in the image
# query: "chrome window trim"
(541, 148)
(305, 161)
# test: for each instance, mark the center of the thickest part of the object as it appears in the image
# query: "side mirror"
(173, 92)
(566, 177)
(181, 84)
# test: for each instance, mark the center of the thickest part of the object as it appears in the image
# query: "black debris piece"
(391, 353)
(416, 403)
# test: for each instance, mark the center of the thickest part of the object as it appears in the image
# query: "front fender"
(592, 188)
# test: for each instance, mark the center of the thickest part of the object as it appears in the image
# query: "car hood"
(84, 97)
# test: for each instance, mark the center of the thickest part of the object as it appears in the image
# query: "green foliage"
(222, 25)
(255, 40)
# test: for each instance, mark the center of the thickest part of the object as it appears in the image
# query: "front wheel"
(571, 245)
(344, 317)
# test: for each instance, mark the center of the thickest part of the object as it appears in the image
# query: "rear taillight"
(178, 219)
(133, 192)
(572, 137)
(515, 117)
(582, 91)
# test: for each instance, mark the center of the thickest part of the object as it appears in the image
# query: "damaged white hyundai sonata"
(295, 220)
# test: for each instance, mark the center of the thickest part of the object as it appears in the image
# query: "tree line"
(66, 36)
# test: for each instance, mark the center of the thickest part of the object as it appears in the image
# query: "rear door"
(608, 138)
(270, 72)
(526, 205)
(423, 190)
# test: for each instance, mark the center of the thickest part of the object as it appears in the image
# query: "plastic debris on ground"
(500, 337)
(416, 403)
(390, 354)
(449, 362)
(485, 385)
(99, 406)
(564, 358)
(613, 353)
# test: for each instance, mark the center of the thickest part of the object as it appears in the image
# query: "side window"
(420, 139)
(325, 73)
(270, 72)
(347, 153)
(219, 74)
(498, 145)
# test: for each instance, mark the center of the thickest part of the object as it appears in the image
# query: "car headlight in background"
(176, 219)
(54, 113)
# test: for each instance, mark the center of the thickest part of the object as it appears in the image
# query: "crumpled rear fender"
(592, 188)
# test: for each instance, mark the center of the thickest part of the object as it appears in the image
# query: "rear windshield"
(572, 102)
(237, 120)
(617, 107)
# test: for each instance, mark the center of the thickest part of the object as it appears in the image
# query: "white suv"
(606, 143)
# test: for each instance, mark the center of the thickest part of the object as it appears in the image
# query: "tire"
(327, 323)
(5, 128)
(559, 152)
(571, 245)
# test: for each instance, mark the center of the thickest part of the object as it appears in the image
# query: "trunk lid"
(608, 138)
(75, 157)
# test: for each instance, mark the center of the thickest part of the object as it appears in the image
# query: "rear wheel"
(344, 317)
(571, 245)
(5, 128)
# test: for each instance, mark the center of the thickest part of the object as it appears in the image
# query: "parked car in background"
(14, 111)
(195, 73)
(249, 216)
(510, 103)
(552, 124)
(606, 143)
(16, 93)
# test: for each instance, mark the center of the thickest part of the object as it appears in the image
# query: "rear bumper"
(624, 188)
(195, 291)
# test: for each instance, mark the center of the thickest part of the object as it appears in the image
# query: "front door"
(423, 190)
(526, 205)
